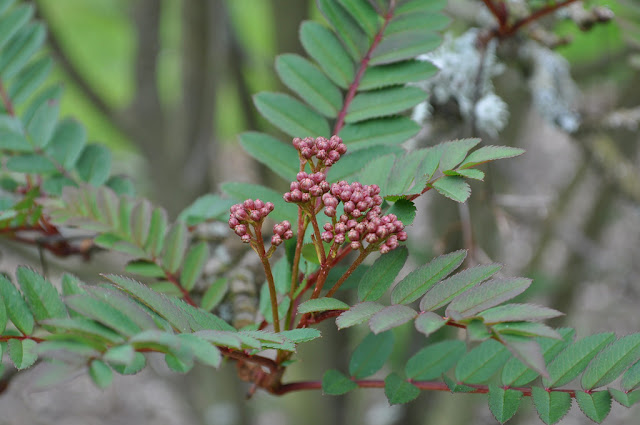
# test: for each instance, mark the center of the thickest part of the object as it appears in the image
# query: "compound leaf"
(321, 304)
(290, 115)
(357, 314)
(503, 403)
(550, 405)
(487, 295)
(381, 274)
(335, 382)
(398, 390)
(481, 363)
(596, 406)
(391, 317)
(370, 355)
(434, 360)
(611, 362)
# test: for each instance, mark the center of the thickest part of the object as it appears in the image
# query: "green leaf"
(490, 153)
(321, 304)
(17, 308)
(140, 221)
(527, 350)
(404, 45)
(456, 387)
(144, 268)
(43, 123)
(596, 406)
(383, 102)
(41, 296)
(308, 82)
(100, 373)
(140, 315)
(391, 317)
(381, 274)
(193, 265)
(22, 352)
(417, 21)
(626, 399)
(454, 152)
(481, 363)
(412, 6)
(420, 280)
(12, 137)
(104, 313)
(487, 295)
(350, 164)
(121, 185)
(84, 327)
(206, 207)
(611, 362)
(409, 71)
(222, 338)
(380, 131)
(94, 164)
(630, 379)
(429, 322)
(155, 301)
(503, 403)
(53, 185)
(364, 15)
(290, 115)
(352, 37)
(575, 358)
(398, 390)
(470, 173)
(434, 360)
(357, 314)
(453, 187)
(22, 47)
(280, 157)
(477, 331)
(551, 405)
(215, 293)
(335, 382)
(203, 351)
(518, 313)
(3, 317)
(157, 231)
(138, 363)
(443, 292)
(526, 329)
(371, 354)
(12, 22)
(405, 210)
(28, 81)
(174, 246)
(282, 211)
(120, 355)
(325, 48)
(298, 336)
(30, 163)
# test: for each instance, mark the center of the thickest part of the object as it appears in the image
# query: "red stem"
(185, 294)
(353, 88)
(6, 101)
(6, 338)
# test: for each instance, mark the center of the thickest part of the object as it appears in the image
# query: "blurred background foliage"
(167, 84)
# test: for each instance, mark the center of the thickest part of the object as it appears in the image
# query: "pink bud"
(327, 236)
(246, 238)
(249, 204)
(355, 245)
(276, 240)
(330, 211)
(340, 239)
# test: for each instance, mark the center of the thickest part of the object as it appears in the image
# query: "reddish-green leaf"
(391, 317)
(518, 313)
(429, 322)
(357, 314)
(487, 295)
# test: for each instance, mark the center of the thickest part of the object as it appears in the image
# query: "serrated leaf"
(291, 116)
(550, 405)
(625, 399)
(21, 48)
(282, 211)
(308, 82)
(412, 6)
(420, 280)
(443, 292)
(596, 406)
(222, 338)
(120, 355)
(155, 301)
(503, 403)
(17, 308)
(527, 350)
(630, 379)
(28, 81)
(409, 71)
(175, 244)
(335, 382)
(350, 165)
(575, 358)
(489, 153)
(352, 37)
(481, 363)
(363, 14)
(193, 265)
(611, 362)
(383, 102)
(22, 352)
(144, 268)
(203, 351)
(30, 163)
(121, 301)
(428, 322)
(391, 317)
(380, 131)
(529, 329)
(381, 274)
(325, 48)
(41, 296)
(12, 21)
(434, 360)
(470, 173)
(404, 45)
(370, 355)
(357, 314)
(453, 187)
(140, 221)
(157, 231)
(100, 373)
(404, 210)
(456, 387)
(280, 157)
(398, 390)
(3, 316)
(94, 164)
(417, 21)
(215, 293)
(487, 295)
(298, 336)
(321, 304)
(517, 313)
(103, 313)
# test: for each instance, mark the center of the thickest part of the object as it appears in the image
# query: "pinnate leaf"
(203, 351)
(503, 403)
(322, 304)
(489, 153)
(398, 390)
(596, 406)
(174, 246)
(527, 350)
(528, 329)
(626, 399)
(630, 379)
(100, 373)
(391, 317)
(611, 362)
(434, 360)
(41, 296)
(357, 314)
(22, 352)
(335, 382)
(453, 187)
(419, 281)
(381, 131)
(429, 322)
(518, 313)
(370, 355)
(409, 71)
(383, 102)
(487, 295)
(280, 157)
(404, 45)
(481, 363)
(290, 115)
(353, 38)
(381, 274)
(215, 293)
(325, 48)
(364, 14)
(193, 265)
(17, 308)
(550, 405)
(67, 143)
(94, 164)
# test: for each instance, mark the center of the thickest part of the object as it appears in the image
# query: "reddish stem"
(185, 294)
(5, 338)
(5, 100)
(364, 63)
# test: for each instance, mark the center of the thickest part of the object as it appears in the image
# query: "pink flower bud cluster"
(386, 231)
(249, 212)
(306, 187)
(281, 232)
(328, 151)
(358, 199)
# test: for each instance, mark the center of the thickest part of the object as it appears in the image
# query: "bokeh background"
(167, 85)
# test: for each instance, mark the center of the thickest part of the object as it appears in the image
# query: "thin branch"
(8, 105)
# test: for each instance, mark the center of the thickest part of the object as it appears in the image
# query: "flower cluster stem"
(350, 270)
(259, 248)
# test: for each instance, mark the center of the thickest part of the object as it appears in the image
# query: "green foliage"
(503, 402)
